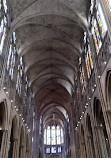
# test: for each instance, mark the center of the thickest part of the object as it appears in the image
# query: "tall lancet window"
(11, 56)
(101, 20)
(96, 36)
(25, 90)
(109, 4)
(58, 135)
(82, 75)
(53, 135)
(19, 76)
(92, 6)
(3, 22)
(99, 26)
(88, 56)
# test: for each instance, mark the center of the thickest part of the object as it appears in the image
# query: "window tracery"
(25, 90)
(99, 26)
(19, 77)
(82, 76)
(88, 56)
(101, 20)
(109, 4)
(53, 135)
(12, 56)
(3, 22)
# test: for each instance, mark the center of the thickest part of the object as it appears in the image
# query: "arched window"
(109, 4)
(12, 56)
(82, 76)
(19, 76)
(88, 56)
(90, 136)
(92, 6)
(25, 90)
(101, 20)
(58, 135)
(98, 23)
(3, 22)
(53, 135)
(96, 36)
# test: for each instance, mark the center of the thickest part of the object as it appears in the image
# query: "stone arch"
(90, 137)
(3, 120)
(101, 129)
(3, 114)
(108, 89)
(82, 142)
(22, 143)
(13, 137)
(15, 122)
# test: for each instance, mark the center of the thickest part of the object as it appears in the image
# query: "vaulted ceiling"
(49, 37)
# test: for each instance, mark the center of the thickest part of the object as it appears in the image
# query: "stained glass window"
(82, 76)
(26, 83)
(53, 135)
(45, 136)
(53, 150)
(59, 150)
(25, 91)
(62, 139)
(88, 56)
(99, 26)
(48, 135)
(89, 62)
(96, 36)
(3, 23)
(5, 5)
(58, 135)
(48, 150)
(101, 20)
(92, 6)
(11, 56)
(109, 4)
(19, 77)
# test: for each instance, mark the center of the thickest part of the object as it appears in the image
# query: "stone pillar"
(89, 145)
(4, 143)
(15, 147)
(83, 150)
(72, 140)
(27, 153)
(36, 138)
(102, 142)
(95, 136)
(22, 151)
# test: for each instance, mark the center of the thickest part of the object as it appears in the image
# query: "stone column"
(83, 150)
(95, 136)
(102, 142)
(15, 147)
(27, 153)
(36, 138)
(4, 143)
(90, 146)
(72, 139)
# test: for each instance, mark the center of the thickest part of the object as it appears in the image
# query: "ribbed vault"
(50, 38)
